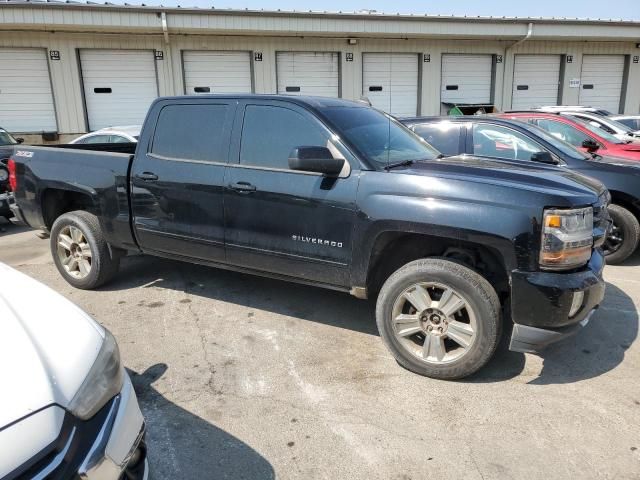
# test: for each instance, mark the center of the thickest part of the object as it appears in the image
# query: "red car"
(579, 134)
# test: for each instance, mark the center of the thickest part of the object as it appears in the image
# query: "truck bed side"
(53, 180)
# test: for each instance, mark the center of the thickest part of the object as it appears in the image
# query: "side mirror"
(20, 140)
(315, 159)
(590, 145)
(544, 157)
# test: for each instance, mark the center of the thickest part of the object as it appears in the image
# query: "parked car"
(607, 124)
(336, 194)
(123, 134)
(7, 143)
(631, 121)
(580, 134)
(510, 140)
(67, 409)
(574, 108)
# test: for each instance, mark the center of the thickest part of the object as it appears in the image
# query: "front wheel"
(439, 318)
(80, 251)
(623, 238)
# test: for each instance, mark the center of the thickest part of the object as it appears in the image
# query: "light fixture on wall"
(352, 41)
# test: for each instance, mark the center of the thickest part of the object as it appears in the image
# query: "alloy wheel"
(74, 252)
(434, 322)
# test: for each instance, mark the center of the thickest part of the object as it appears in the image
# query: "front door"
(177, 179)
(283, 221)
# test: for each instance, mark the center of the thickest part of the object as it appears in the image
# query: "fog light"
(578, 298)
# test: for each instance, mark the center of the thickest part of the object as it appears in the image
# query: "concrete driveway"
(243, 377)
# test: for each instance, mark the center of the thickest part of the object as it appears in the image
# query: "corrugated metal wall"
(69, 99)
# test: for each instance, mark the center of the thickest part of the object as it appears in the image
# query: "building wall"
(68, 97)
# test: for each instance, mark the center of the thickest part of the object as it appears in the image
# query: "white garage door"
(466, 79)
(119, 86)
(601, 81)
(308, 73)
(26, 101)
(390, 82)
(216, 72)
(536, 79)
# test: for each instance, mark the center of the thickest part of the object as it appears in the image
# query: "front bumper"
(540, 304)
(119, 446)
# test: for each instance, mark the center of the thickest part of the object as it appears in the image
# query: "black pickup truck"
(339, 195)
(7, 142)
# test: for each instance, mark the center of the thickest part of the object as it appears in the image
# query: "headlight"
(103, 382)
(567, 238)
(4, 174)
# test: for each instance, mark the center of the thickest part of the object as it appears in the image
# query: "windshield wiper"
(404, 163)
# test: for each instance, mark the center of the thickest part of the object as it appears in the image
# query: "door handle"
(243, 187)
(147, 176)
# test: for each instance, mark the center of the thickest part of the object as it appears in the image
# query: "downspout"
(506, 51)
(168, 57)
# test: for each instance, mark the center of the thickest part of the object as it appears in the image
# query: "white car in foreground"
(67, 409)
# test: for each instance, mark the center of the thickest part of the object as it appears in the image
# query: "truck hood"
(516, 174)
(47, 346)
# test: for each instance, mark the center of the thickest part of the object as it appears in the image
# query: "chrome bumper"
(120, 437)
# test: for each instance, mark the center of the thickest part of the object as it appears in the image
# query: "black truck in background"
(339, 195)
(7, 143)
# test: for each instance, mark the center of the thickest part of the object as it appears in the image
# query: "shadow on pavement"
(275, 296)
(7, 227)
(595, 350)
(191, 445)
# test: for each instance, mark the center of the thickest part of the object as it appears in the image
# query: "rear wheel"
(439, 318)
(623, 238)
(80, 252)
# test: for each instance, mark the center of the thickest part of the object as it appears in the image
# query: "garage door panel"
(604, 73)
(466, 79)
(26, 99)
(308, 73)
(219, 72)
(128, 81)
(540, 74)
(397, 76)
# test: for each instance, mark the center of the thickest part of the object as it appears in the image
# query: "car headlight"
(567, 238)
(103, 382)
(4, 174)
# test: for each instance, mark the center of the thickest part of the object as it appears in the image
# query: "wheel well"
(57, 202)
(626, 201)
(395, 249)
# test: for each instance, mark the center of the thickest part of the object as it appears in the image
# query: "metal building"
(68, 68)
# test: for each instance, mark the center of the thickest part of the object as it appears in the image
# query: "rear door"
(177, 176)
(279, 220)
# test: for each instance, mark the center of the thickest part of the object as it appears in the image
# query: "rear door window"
(192, 132)
(443, 136)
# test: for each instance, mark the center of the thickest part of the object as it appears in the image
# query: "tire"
(480, 316)
(102, 267)
(627, 229)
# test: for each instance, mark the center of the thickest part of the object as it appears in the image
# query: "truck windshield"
(6, 139)
(379, 138)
